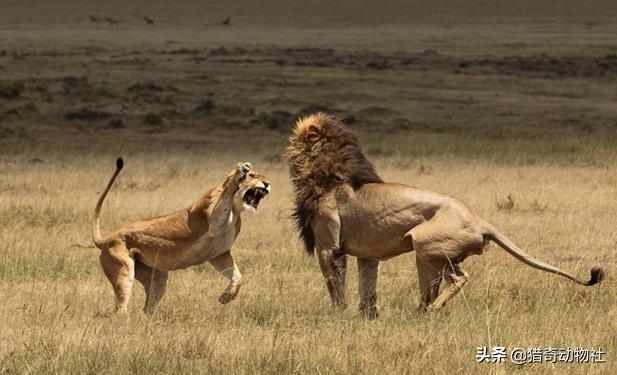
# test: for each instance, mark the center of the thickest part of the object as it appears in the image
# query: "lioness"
(342, 207)
(205, 231)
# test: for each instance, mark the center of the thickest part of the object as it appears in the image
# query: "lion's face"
(252, 190)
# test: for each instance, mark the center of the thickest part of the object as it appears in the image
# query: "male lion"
(342, 207)
(205, 231)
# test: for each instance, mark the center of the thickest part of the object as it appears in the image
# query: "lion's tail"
(96, 230)
(597, 274)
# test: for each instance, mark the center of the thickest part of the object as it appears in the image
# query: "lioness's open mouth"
(253, 195)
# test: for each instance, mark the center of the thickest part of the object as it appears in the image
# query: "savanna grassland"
(510, 106)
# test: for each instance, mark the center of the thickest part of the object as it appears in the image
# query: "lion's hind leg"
(119, 267)
(429, 279)
(440, 245)
(455, 279)
(154, 282)
(368, 271)
(431, 274)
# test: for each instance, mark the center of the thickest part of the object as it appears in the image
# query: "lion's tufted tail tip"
(597, 275)
(119, 163)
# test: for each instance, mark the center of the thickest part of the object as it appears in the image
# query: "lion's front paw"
(369, 312)
(242, 169)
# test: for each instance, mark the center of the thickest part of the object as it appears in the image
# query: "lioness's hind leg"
(154, 282)
(119, 267)
(455, 279)
(368, 271)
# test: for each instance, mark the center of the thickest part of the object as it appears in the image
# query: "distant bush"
(145, 86)
(282, 120)
(153, 119)
(86, 114)
(505, 204)
(116, 123)
(10, 90)
(206, 107)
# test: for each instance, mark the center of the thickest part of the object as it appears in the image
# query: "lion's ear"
(337, 177)
(313, 133)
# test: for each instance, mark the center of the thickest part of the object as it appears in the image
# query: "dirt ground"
(509, 105)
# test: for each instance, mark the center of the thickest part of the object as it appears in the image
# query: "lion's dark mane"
(322, 154)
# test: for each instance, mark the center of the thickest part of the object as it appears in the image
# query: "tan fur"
(205, 231)
(343, 208)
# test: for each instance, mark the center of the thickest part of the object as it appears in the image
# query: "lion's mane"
(323, 154)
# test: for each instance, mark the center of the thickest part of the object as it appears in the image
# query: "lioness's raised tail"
(96, 230)
(597, 274)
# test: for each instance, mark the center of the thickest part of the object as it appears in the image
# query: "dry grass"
(57, 305)
(481, 99)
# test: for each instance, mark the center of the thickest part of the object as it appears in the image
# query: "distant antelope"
(226, 21)
(149, 20)
(94, 19)
(112, 21)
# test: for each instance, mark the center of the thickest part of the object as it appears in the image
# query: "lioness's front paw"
(227, 297)
(242, 169)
